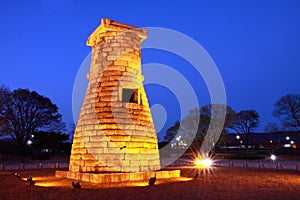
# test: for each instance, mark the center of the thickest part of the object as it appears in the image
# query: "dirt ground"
(218, 183)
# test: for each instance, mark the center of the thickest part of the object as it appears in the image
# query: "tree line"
(244, 122)
(25, 115)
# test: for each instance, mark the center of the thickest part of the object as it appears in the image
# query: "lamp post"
(238, 137)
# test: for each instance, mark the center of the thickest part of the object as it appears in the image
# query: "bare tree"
(199, 120)
(271, 127)
(246, 121)
(217, 111)
(171, 132)
(28, 112)
(287, 109)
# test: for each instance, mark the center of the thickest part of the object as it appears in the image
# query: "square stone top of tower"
(107, 26)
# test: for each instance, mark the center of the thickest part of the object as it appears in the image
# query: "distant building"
(280, 139)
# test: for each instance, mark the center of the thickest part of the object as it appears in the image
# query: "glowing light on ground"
(205, 163)
(198, 162)
(51, 181)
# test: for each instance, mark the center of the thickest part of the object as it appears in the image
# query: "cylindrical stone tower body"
(115, 130)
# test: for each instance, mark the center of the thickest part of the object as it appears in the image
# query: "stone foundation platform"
(107, 177)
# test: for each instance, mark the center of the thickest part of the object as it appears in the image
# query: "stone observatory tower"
(115, 131)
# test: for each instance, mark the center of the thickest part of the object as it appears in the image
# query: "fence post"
(245, 165)
(56, 165)
(230, 164)
(261, 165)
(279, 166)
(21, 166)
(40, 166)
(2, 168)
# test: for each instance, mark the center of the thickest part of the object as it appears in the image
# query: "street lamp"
(273, 157)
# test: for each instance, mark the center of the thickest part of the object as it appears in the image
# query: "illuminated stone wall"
(115, 131)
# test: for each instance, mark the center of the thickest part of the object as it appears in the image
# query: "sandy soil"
(218, 183)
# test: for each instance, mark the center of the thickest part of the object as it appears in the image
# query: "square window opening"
(130, 95)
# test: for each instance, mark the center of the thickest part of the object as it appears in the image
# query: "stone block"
(109, 73)
(98, 144)
(112, 150)
(108, 88)
(117, 144)
(110, 83)
(174, 173)
(111, 58)
(96, 178)
(126, 163)
(75, 156)
(136, 176)
(73, 175)
(98, 138)
(125, 58)
(132, 150)
(76, 150)
(96, 150)
(115, 78)
(133, 156)
(88, 157)
(121, 62)
(117, 68)
(107, 120)
(106, 93)
(62, 174)
(73, 168)
(115, 45)
(107, 49)
(84, 177)
(109, 98)
(120, 138)
(88, 127)
(122, 177)
(107, 156)
(153, 162)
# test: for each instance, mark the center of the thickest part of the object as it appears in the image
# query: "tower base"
(107, 177)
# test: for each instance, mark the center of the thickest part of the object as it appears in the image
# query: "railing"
(260, 165)
(223, 163)
(245, 164)
(23, 166)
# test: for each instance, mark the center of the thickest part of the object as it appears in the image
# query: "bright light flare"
(207, 162)
(198, 162)
(29, 142)
(273, 157)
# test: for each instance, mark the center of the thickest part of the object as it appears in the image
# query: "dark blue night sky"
(255, 45)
